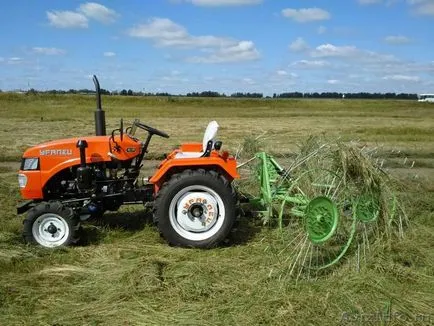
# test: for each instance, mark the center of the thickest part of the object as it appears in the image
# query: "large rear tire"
(50, 225)
(195, 208)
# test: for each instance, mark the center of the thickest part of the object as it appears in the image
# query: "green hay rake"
(332, 199)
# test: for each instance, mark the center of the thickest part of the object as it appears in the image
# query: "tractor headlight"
(22, 180)
(29, 164)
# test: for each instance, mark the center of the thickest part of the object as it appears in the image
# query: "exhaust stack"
(99, 113)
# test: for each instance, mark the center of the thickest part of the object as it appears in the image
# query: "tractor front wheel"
(195, 208)
(50, 225)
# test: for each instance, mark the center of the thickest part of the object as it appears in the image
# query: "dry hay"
(366, 196)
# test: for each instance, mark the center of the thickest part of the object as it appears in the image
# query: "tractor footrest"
(24, 206)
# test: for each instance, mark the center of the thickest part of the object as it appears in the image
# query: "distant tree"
(209, 94)
(124, 92)
(32, 91)
(289, 95)
(130, 92)
(86, 91)
(193, 94)
(406, 96)
(247, 95)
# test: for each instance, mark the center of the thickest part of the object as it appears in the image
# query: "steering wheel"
(151, 130)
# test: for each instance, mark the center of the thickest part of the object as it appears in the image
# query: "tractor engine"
(97, 187)
(93, 173)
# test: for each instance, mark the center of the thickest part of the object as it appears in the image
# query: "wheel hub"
(367, 208)
(50, 230)
(197, 211)
(321, 219)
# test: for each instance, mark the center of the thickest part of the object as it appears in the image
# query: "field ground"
(123, 273)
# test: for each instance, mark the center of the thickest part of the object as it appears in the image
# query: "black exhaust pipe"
(84, 172)
(99, 113)
(82, 145)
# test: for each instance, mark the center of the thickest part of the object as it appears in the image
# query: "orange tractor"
(68, 181)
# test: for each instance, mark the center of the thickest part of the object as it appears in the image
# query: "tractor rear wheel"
(50, 225)
(195, 208)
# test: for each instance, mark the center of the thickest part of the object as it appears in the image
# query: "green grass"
(125, 274)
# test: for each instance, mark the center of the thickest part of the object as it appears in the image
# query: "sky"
(180, 46)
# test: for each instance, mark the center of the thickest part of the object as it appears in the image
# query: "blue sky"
(179, 46)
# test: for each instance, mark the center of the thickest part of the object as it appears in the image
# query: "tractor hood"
(66, 148)
(64, 152)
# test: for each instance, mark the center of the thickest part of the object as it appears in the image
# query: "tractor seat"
(207, 142)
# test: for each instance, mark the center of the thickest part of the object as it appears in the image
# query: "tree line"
(329, 95)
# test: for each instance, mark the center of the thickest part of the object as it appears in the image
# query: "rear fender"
(228, 167)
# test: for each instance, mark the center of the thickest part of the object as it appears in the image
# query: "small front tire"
(50, 225)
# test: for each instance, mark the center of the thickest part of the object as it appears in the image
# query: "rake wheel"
(324, 205)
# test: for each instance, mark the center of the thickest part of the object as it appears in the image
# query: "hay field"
(125, 274)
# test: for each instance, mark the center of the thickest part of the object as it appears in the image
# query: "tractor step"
(25, 206)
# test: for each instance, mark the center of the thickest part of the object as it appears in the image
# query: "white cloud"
(310, 64)
(423, 7)
(416, 67)
(79, 18)
(306, 14)
(98, 12)
(402, 78)
(350, 52)
(242, 51)
(397, 39)
(67, 19)
(48, 51)
(321, 30)
(388, 3)
(369, 2)
(249, 81)
(165, 32)
(174, 79)
(333, 81)
(109, 54)
(330, 50)
(282, 76)
(175, 76)
(14, 60)
(160, 30)
(299, 45)
(216, 3)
